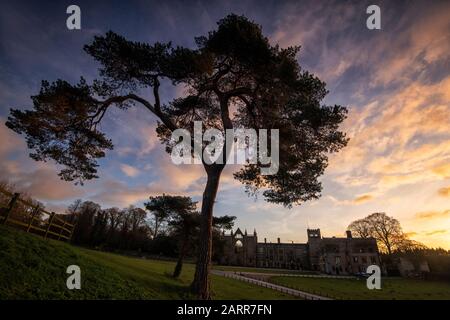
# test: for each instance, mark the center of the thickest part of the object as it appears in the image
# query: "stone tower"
(314, 248)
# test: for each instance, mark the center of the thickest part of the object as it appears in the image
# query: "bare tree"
(360, 228)
(386, 230)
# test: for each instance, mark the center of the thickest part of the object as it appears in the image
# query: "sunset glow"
(395, 82)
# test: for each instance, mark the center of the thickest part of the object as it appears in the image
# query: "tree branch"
(156, 110)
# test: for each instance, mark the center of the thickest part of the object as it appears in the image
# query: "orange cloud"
(444, 192)
(44, 184)
(391, 139)
(443, 170)
(432, 214)
(363, 198)
(411, 234)
(431, 233)
(130, 171)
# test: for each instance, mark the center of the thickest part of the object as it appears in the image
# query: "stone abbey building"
(334, 255)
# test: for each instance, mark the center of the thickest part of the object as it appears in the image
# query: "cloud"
(405, 140)
(130, 171)
(42, 183)
(133, 131)
(411, 234)
(363, 198)
(432, 214)
(443, 170)
(349, 202)
(38, 180)
(10, 141)
(444, 192)
(148, 140)
(116, 193)
(434, 232)
(407, 51)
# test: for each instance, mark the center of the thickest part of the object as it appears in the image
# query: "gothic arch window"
(238, 246)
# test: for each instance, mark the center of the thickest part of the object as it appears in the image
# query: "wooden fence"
(30, 217)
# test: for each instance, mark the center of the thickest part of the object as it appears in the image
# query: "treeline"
(167, 226)
(111, 228)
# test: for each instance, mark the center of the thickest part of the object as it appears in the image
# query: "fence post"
(71, 233)
(60, 233)
(10, 206)
(35, 212)
(50, 220)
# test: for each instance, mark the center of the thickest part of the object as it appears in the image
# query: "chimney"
(349, 234)
(265, 240)
(278, 240)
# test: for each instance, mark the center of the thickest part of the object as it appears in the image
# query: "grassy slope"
(34, 268)
(391, 288)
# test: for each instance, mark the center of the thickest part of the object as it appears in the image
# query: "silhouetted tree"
(180, 214)
(186, 228)
(99, 228)
(157, 206)
(114, 220)
(220, 225)
(361, 228)
(138, 226)
(84, 216)
(386, 230)
(234, 64)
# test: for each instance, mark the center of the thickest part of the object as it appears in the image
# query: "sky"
(394, 81)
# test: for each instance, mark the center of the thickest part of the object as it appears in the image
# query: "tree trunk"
(201, 286)
(183, 249)
(389, 249)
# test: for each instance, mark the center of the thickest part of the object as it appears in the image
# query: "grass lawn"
(391, 288)
(34, 268)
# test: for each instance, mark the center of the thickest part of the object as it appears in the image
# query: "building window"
(361, 250)
(364, 260)
(373, 260)
(337, 260)
(370, 249)
(238, 246)
(355, 259)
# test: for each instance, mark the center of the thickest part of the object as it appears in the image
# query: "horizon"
(394, 81)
